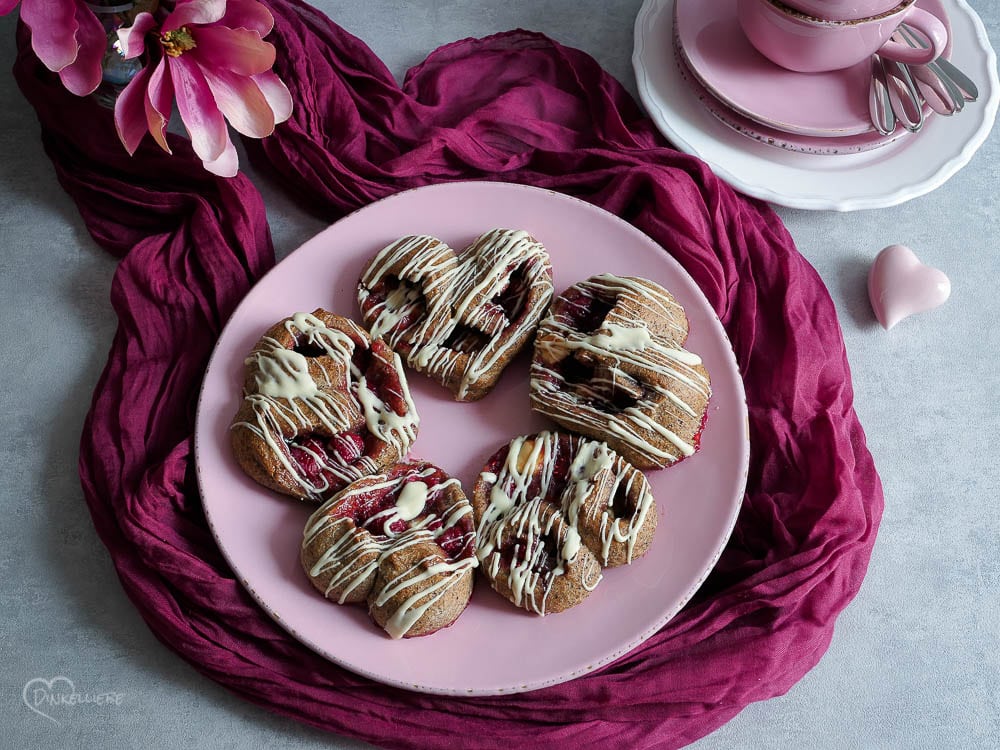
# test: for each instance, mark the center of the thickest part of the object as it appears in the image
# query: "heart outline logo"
(48, 689)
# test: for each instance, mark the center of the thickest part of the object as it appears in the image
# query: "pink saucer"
(806, 144)
(818, 105)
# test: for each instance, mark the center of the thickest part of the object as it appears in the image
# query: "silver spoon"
(964, 83)
(879, 105)
(903, 96)
(933, 71)
(934, 91)
(943, 68)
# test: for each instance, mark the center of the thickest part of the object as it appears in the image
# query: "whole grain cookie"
(610, 362)
(551, 509)
(402, 541)
(323, 405)
(458, 318)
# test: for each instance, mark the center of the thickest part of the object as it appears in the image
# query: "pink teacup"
(842, 10)
(808, 44)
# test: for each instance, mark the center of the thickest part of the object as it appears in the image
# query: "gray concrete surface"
(914, 662)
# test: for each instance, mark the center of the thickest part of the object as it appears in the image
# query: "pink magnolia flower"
(67, 37)
(211, 56)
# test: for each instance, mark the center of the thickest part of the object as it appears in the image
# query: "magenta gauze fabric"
(516, 107)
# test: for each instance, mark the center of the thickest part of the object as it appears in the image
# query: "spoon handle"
(964, 83)
(906, 102)
(933, 90)
(879, 106)
(947, 69)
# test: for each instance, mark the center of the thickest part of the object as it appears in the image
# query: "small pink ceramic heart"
(899, 285)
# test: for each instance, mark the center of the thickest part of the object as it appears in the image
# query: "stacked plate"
(816, 113)
(804, 140)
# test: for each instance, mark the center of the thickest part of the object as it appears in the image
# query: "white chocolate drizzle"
(653, 364)
(447, 339)
(411, 500)
(518, 491)
(359, 551)
(619, 338)
(287, 401)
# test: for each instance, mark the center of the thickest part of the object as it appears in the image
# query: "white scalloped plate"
(884, 177)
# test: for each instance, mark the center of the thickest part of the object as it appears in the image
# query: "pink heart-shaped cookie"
(899, 285)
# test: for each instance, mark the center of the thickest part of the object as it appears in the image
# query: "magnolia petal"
(53, 25)
(130, 114)
(227, 165)
(158, 104)
(277, 95)
(188, 12)
(157, 125)
(6, 6)
(83, 75)
(241, 101)
(239, 50)
(248, 14)
(161, 89)
(133, 38)
(199, 112)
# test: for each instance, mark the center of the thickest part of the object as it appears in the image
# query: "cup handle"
(930, 27)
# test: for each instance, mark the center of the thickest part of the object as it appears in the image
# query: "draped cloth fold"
(517, 107)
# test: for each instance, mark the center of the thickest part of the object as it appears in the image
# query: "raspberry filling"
(582, 310)
(304, 345)
(466, 340)
(558, 479)
(382, 378)
(696, 439)
(322, 459)
(363, 507)
(405, 295)
(315, 456)
(361, 358)
(513, 297)
(560, 472)
(455, 541)
(604, 388)
(543, 554)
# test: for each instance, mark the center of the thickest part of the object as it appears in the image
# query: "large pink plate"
(493, 648)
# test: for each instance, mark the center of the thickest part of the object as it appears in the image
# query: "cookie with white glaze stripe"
(403, 542)
(418, 583)
(553, 508)
(323, 405)
(458, 318)
(527, 560)
(609, 362)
